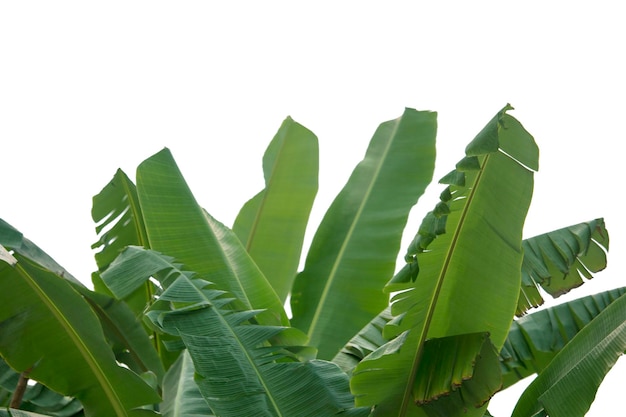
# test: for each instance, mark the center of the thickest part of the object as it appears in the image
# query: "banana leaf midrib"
(344, 245)
(84, 351)
(406, 397)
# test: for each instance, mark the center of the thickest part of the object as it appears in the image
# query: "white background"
(89, 87)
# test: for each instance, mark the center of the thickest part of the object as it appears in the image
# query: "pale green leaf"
(355, 248)
(272, 224)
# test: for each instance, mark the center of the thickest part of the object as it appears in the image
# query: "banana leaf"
(181, 395)
(177, 226)
(37, 397)
(122, 329)
(62, 343)
(272, 224)
(119, 223)
(463, 272)
(243, 368)
(354, 250)
(558, 261)
(534, 340)
(567, 385)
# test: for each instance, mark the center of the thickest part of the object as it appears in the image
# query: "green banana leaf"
(370, 337)
(555, 261)
(125, 333)
(122, 329)
(243, 368)
(472, 265)
(60, 342)
(119, 223)
(355, 248)
(534, 340)
(181, 395)
(568, 385)
(272, 224)
(177, 226)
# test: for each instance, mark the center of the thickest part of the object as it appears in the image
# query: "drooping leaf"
(568, 384)
(122, 329)
(177, 226)
(468, 279)
(62, 341)
(471, 365)
(243, 368)
(355, 247)
(181, 395)
(534, 340)
(558, 261)
(271, 225)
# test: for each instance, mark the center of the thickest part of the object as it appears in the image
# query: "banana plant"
(187, 316)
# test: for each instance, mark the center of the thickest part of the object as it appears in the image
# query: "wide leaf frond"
(463, 271)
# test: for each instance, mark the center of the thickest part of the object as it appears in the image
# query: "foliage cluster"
(186, 316)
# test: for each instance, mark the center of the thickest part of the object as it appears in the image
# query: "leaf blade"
(272, 224)
(359, 236)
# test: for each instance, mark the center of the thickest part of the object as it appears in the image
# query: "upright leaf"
(580, 366)
(177, 226)
(271, 225)
(60, 338)
(355, 247)
(463, 274)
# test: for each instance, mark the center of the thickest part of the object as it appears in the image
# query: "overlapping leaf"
(178, 226)
(272, 224)
(355, 248)
(61, 340)
(468, 279)
(534, 340)
(582, 363)
(243, 368)
(181, 395)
